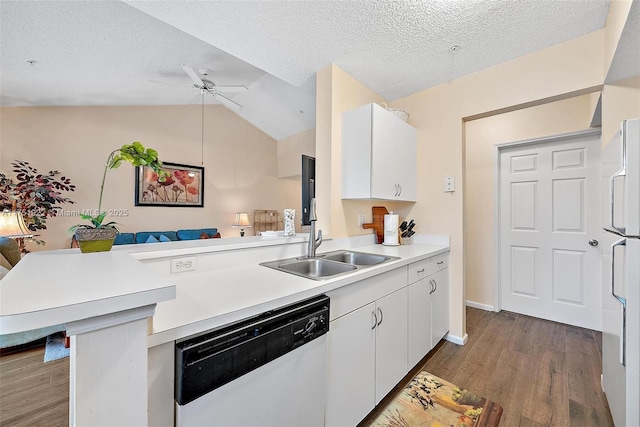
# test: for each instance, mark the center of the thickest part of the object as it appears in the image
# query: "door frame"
(564, 137)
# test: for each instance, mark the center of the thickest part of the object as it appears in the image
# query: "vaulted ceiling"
(115, 53)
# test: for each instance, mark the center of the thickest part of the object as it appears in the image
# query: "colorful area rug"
(433, 402)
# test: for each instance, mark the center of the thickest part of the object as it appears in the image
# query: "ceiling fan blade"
(232, 88)
(227, 102)
(196, 98)
(194, 76)
(168, 83)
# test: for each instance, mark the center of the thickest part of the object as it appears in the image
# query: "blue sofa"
(165, 236)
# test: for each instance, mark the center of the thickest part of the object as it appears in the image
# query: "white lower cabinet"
(419, 321)
(367, 357)
(439, 306)
(380, 328)
(351, 367)
(391, 342)
(428, 310)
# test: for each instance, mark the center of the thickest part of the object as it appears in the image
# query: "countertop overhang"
(55, 287)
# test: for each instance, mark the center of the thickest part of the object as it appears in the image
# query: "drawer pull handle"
(420, 271)
(440, 262)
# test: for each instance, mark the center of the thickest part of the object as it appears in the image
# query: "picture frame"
(183, 188)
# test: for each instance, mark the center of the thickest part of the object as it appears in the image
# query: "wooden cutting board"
(378, 222)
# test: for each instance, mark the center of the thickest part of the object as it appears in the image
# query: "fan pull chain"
(202, 132)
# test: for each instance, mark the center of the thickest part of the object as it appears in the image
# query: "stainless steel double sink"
(328, 265)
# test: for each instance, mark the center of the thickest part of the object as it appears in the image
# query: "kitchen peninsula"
(131, 283)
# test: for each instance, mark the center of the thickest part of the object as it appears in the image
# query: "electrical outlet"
(449, 184)
(179, 265)
(361, 219)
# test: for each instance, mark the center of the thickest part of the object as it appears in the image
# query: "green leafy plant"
(134, 153)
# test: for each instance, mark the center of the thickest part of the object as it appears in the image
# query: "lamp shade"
(12, 225)
(242, 220)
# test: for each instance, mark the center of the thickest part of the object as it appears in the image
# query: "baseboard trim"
(477, 305)
(456, 339)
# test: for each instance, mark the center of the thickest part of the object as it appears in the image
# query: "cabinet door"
(351, 367)
(391, 342)
(440, 306)
(419, 321)
(356, 153)
(393, 157)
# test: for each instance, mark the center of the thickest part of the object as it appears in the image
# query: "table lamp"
(12, 225)
(241, 222)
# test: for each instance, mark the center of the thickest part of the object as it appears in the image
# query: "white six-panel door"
(549, 213)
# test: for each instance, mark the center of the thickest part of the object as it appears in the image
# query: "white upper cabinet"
(378, 155)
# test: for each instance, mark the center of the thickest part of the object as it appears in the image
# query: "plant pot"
(95, 239)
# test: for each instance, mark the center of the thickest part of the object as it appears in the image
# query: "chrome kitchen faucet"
(313, 242)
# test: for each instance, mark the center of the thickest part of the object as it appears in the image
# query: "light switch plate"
(449, 184)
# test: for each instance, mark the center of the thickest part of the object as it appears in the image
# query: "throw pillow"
(152, 239)
(3, 272)
(164, 238)
(204, 236)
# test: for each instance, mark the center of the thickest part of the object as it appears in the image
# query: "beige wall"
(336, 216)
(481, 137)
(620, 101)
(240, 162)
(290, 151)
(562, 71)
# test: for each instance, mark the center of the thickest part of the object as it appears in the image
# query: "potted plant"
(99, 236)
(37, 195)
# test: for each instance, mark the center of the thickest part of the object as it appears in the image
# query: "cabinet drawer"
(418, 270)
(350, 297)
(439, 262)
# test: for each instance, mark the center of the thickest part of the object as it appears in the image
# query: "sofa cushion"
(152, 239)
(4, 263)
(194, 234)
(10, 249)
(142, 236)
(125, 239)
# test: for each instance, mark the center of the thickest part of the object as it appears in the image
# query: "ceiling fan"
(204, 85)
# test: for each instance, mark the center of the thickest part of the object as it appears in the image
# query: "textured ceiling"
(105, 52)
(395, 48)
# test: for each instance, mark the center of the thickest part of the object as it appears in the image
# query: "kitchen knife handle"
(621, 300)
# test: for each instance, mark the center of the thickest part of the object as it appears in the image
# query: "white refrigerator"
(621, 271)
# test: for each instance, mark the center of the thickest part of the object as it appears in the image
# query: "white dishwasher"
(268, 370)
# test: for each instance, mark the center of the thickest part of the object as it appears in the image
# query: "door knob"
(593, 242)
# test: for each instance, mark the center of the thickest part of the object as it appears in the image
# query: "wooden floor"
(33, 393)
(542, 373)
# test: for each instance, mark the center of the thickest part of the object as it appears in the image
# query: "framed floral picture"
(183, 188)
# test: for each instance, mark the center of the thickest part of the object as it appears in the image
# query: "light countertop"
(209, 299)
(54, 287)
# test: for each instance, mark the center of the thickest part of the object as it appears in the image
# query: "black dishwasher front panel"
(208, 361)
